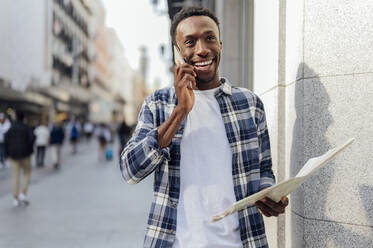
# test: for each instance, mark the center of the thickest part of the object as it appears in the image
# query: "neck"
(214, 83)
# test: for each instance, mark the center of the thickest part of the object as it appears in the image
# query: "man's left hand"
(270, 208)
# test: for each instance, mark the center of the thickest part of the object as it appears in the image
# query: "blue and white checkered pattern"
(246, 128)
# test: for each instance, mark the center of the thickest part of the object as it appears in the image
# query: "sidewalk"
(37, 174)
(86, 204)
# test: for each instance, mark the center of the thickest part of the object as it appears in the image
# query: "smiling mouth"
(203, 64)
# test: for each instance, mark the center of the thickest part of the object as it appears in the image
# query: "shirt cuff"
(152, 142)
(266, 182)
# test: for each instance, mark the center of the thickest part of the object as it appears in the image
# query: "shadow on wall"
(309, 223)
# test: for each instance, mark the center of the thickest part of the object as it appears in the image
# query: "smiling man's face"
(198, 40)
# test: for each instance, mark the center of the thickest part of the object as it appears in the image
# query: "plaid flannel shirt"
(245, 124)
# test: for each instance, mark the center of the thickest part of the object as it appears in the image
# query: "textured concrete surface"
(231, 36)
(86, 204)
(294, 40)
(337, 109)
(321, 114)
(265, 45)
(331, 234)
(337, 37)
(294, 229)
(294, 160)
(324, 66)
(270, 100)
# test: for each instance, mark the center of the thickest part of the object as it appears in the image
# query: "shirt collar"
(226, 88)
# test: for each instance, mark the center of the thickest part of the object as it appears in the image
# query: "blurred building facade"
(311, 64)
(102, 106)
(61, 61)
(120, 75)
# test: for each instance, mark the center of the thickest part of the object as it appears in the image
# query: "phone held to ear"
(179, 60)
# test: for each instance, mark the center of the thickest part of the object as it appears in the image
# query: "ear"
(221, 44)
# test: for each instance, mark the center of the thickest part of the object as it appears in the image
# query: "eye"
(211, 38)
(189, 42)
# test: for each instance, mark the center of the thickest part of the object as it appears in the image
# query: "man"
(208, 146)
(57, 137)
(74, 136)
(88, 130)
(124, 132)
(4, 126)
(42, 139)
(19, 142)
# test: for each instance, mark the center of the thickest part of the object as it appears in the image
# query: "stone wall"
(313, 69)
(321, 98)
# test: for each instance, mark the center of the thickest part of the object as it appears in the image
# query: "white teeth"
(203, 63)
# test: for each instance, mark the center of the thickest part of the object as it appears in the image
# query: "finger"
(194, 84)
(187, 71)
(183, 83)
(284, 201)
(182, 69)
(179, 79)
(261, 211)
(267, 211)
(188, 78)
(179, 67)
(265, 208)
(191, 84)
(273, 205)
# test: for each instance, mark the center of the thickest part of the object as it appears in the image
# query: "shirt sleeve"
(267, 177)
(142, 153)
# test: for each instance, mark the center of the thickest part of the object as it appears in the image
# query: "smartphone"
(179, 60)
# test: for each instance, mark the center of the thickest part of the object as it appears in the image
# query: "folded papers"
(277, 191)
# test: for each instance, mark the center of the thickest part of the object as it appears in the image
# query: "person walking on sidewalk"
(57, 137)
(208, 146)
(104, 136)
(74, 136)
(4, 126)
(19, 142)
(124, 132)
(88, 130)
(42, 139)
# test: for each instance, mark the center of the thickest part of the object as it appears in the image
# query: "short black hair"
(188, 12)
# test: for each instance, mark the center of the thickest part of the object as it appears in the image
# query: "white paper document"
(277, 191)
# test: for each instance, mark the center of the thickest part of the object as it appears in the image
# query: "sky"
(137, 23)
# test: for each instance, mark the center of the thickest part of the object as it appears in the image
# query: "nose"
(201, 49)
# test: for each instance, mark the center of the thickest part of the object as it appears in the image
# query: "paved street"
(85, 204)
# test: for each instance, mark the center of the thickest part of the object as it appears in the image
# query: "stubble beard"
(215, 76)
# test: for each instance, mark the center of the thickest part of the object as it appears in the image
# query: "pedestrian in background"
(4, 126)
(42, 139)
(124, 132)
(74, 136)
(88, 130)
(57, 137)
(104, 136)
(19, 142)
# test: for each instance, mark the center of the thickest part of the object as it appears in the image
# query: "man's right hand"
(183, 75)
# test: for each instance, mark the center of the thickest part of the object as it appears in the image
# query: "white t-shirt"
(88, 127)
(42, 135)
(206, 183)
